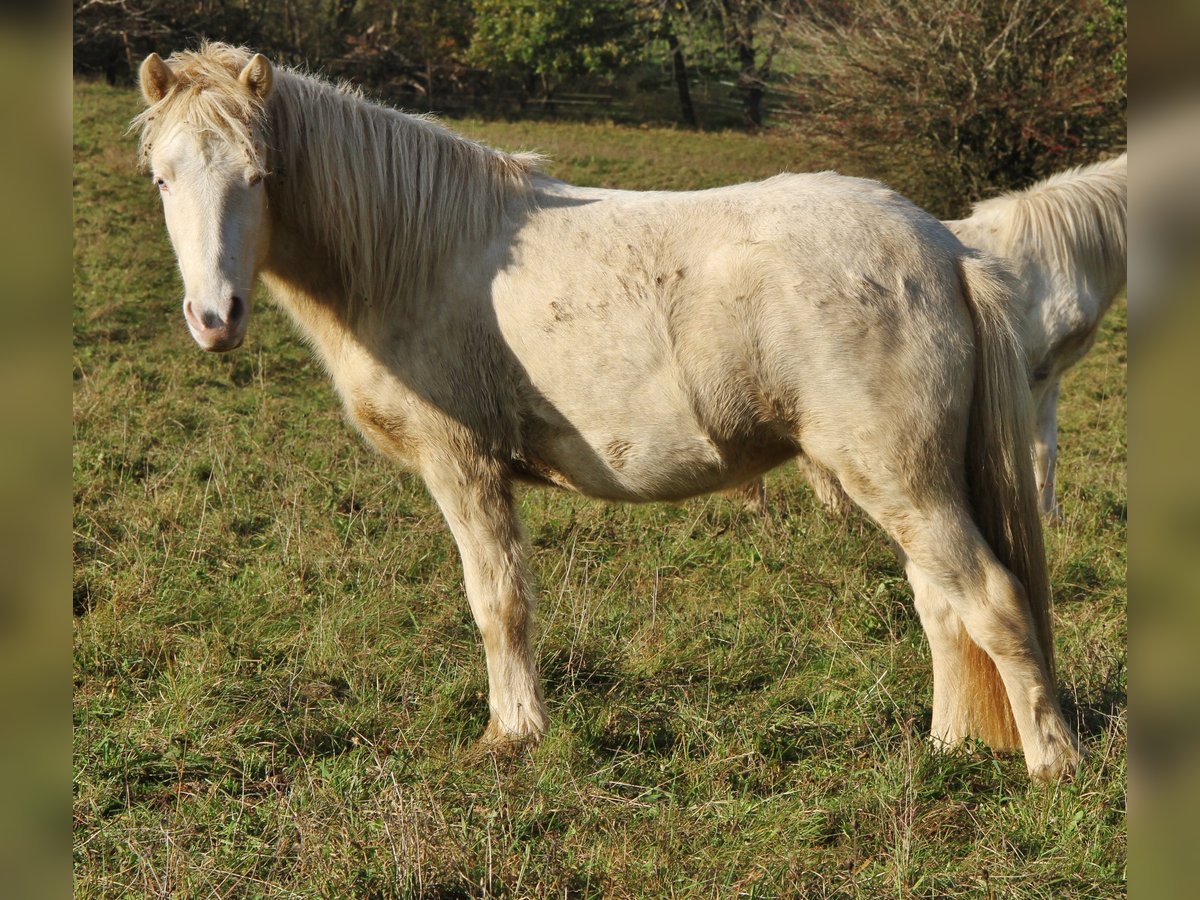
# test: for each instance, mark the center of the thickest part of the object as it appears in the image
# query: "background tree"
(725, 41)
(754, 31)
(666, 20)
(948, 99)
(542, 43)
(411, 50)
(986, 94)
(113, 36)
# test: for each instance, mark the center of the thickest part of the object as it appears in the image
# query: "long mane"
(1077, 215)
(385, 194)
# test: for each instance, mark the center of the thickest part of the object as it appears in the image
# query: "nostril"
(211, 321)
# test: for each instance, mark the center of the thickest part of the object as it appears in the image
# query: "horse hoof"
(1063, 769)
(496, 741)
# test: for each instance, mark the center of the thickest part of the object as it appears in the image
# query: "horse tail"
(1001, 485)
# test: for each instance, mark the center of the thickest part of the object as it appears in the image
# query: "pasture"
(278, 683)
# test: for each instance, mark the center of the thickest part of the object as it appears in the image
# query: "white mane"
(1077, 215)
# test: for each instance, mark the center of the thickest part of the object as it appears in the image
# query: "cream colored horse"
(485, 324)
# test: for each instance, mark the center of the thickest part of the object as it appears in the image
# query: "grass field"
(278, 684)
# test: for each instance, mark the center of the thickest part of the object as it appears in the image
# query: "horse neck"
(1068, 227)
(370, 206)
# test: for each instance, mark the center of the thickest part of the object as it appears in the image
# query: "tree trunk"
(739, 20)
(752, 86)
(343, 10)
(681, 80)
(547, 96)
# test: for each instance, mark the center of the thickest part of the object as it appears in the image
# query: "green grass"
(278, 685)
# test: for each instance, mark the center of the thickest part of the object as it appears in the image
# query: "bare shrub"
(972, 96)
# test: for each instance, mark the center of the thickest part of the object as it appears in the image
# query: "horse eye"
(160, 182)
(255, 179)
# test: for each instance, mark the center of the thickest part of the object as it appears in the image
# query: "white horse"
(1065, 236)
(485, 324)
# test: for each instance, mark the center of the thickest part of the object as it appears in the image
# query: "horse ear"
(257, 76)
(155, 77)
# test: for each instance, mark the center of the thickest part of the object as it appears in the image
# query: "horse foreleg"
(478, 504)
(1045, 448)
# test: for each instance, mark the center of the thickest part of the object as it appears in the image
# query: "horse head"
(203, 144)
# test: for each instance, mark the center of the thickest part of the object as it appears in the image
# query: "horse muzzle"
(214, 332)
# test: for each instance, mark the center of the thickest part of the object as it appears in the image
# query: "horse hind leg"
(951, 723)
(753, 497)
(964, 678)
(825, 486)
(996, 684)
(478, 505)
(991, 680)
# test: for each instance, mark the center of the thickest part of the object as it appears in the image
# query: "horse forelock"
(206, 97)
(1078, 215)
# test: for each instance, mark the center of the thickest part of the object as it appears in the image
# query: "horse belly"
(644, 461)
